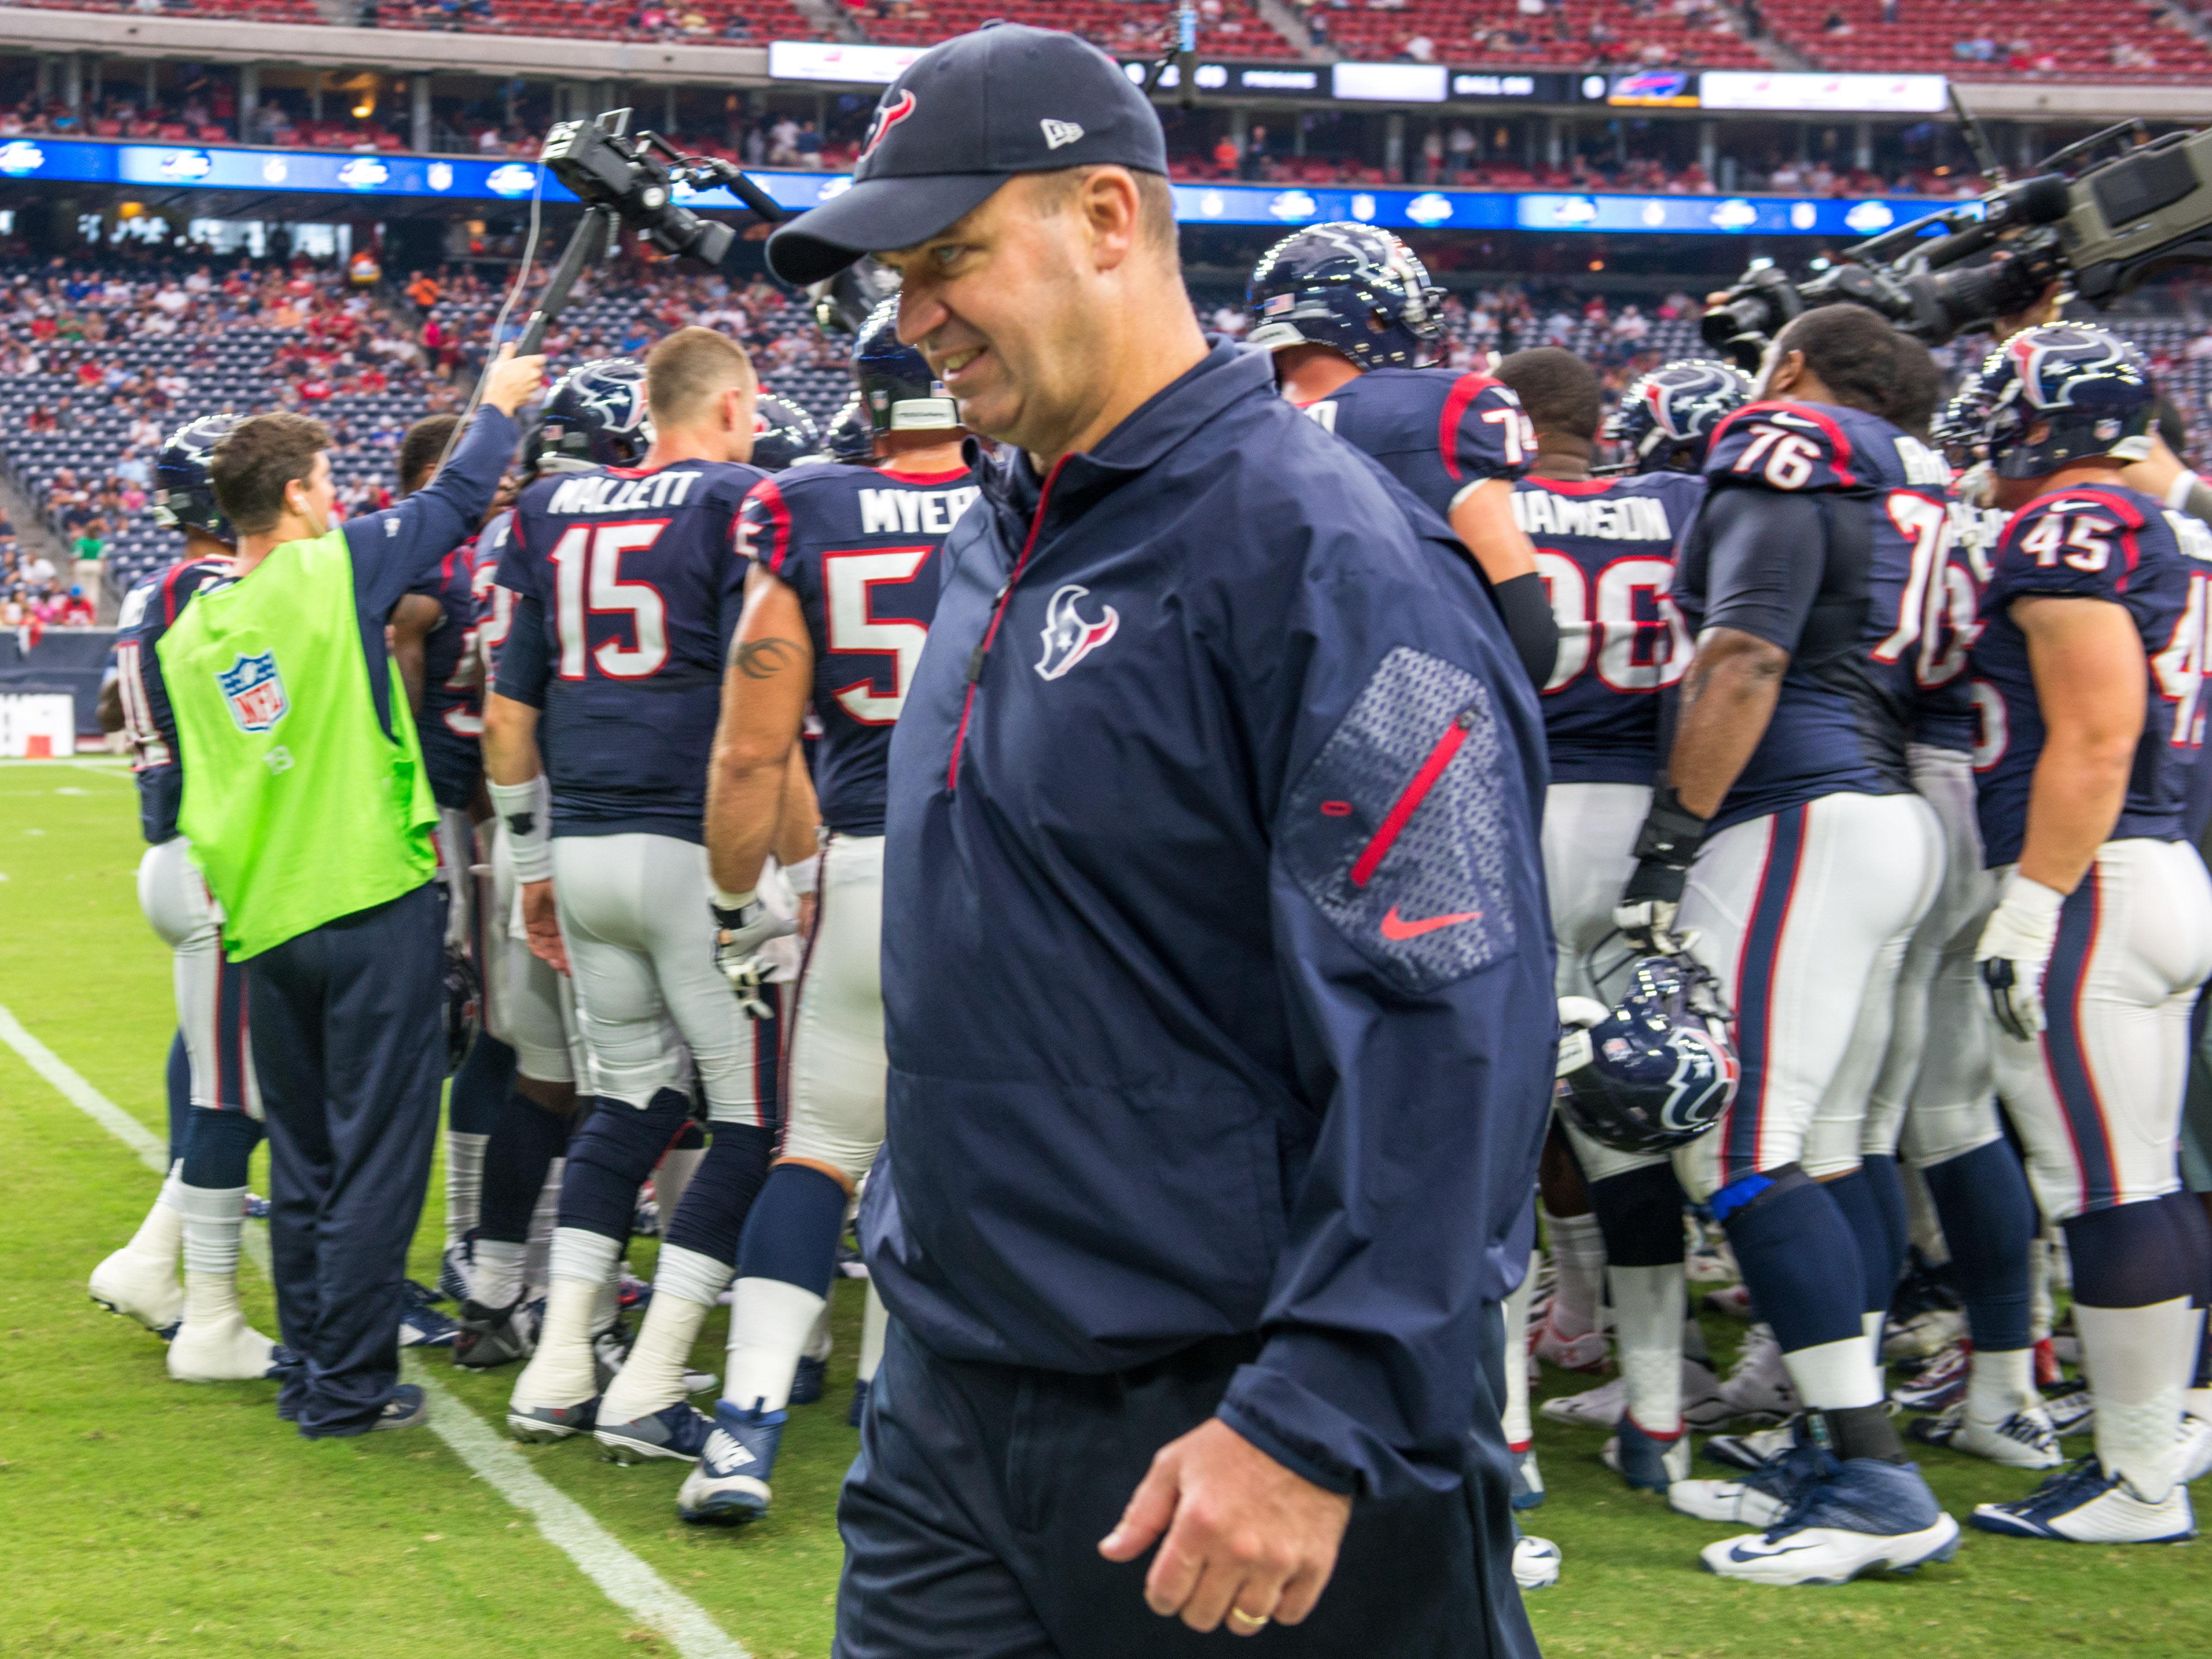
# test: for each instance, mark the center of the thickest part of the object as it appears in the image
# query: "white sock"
(560, 1372)
(608, 1308)
(1647, 1327)
(1999, 1384)
(465, 1156)
(2197, 1402)
(820, 1344)
(1515, 1417)
(2143, 1357)
(162, 1234)
(677, 1165)
(769, 1324)
(536, 1268)
(684, 1286)
(214, 1217)
(1871, 1322)
(875, 1321)
(1835, 1375)
(1578, 1251)
(495, 1275)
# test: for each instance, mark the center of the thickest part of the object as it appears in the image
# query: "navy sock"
(610, 1157)
(218, 1145)
(1640, 1216)
(793, 1234)
(1798, 1257)
(480, 1087)
(179, 1081)
(2133, 1256)
(2196, 1226)
(1988, 1213)
(711, 1217)
(521, 1149)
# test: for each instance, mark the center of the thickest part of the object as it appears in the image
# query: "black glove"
(1664, 850)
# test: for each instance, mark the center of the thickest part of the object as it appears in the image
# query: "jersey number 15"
(587, 582)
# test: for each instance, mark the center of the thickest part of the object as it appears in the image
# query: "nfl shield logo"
(255, 691)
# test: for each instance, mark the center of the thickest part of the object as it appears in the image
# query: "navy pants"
(972, 1516)
(349, 1044)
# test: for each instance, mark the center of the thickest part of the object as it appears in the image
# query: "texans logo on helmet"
(887, 116)
(255, 691)
(1068, 638)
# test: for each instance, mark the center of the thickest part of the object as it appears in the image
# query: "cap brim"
(874, 216)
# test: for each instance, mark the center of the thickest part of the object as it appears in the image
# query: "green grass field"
(140, 1515)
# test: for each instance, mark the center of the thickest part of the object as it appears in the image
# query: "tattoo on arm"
(758, 659)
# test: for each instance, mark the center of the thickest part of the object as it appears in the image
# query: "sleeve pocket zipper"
(1411, 796)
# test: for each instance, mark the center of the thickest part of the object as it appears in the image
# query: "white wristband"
(804, 875)
(2031, 898)
(2177, 493)
(727, 901)
(522, 810)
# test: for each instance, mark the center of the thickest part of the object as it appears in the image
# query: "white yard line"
(624, 1579)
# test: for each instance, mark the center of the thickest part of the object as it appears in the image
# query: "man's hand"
(541, 923)
(1246, 1538)
(740, 929)
(1668, 842)
(512, 380)
(2014, 953)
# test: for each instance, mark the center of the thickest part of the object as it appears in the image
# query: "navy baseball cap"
(967, 115)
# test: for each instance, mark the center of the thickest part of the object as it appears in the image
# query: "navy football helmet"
(782, 433)
(843, 304)
(1350, 286)
(1656, 1070)
(2061, 392)
(1957, 430)
(1666, 418)
(184, 495)
(848, 437)
(595, 416)
(897, 391)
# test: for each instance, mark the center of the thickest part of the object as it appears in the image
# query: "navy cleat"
(1757, 1451)
(1850, 1518)
(454, 1270)
(730, 1487)
(859, 1408)
(543, 1424)
(1646, 1461)
(1528, 1492)
(420, 1325)
(810, 1382)
(496, 1336)
(257, 1207)
(1762, 1497)
(677, 1431)
(2082, 1504)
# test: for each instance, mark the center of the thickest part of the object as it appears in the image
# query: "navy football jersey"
(1945, 717)
(451, 723)
(1438, 433)
(1851, 570)
(1605, 549)
(149, 610)
(2122, 546)
(630, 585)
(859, 546)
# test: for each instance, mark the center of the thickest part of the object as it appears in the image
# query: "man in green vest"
(309, 810)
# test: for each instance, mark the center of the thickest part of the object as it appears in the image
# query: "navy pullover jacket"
(1217, 964)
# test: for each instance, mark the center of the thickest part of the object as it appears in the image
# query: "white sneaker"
(2025, 1440)
(2082, 1504)
(1754, 1451)
(140, 1286)
(1852, 1517)
(1759, 1384)
(1592, 1409)
(1736, 1503)
(226, 1350)
(1734, 1301)
(1585, 1353)
(2196, 1448)
(1536, 1563)
(1923, 1334)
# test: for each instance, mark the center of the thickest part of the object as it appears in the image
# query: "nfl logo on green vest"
(255, 691)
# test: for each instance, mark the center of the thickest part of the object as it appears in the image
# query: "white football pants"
(211, 1009)
(527, 1005)
(835, 1117)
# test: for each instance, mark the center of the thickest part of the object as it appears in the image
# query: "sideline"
(624, 1579)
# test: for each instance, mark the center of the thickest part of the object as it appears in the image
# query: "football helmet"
(2061, 393)
(782, 433)
(1350, 286)
(595, 416)
(1655, 1071)
(1957, 430)
(848, 436)
(843, 304)
(184, 495)
(897, 391)
(1667, 418)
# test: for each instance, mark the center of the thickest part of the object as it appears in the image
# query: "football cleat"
(1710, 1260)
(730, 1487)
(2071, 1407)
(1536, 1563)
(1646, 1462)
(454, 1270)
(542, 1425)
(257, 1207)
(2082, 1504)
(810, 1381)
(485, 1337)
(1756, 1450)
(420, 1325)
(645, 1224)
(677, 1431)
(1528, 1480)
(406, 1409)
(634, 1294)
(1585, 1353)
(1600, 1407)
(2024, 1440)
(140, 1286)
(859, 1408)
(2196, 1448)
(1759, 1386)
(1938, 1384)
(1848, 1519)
(1733, 1302)
(1929, 1332)
(225, 1350)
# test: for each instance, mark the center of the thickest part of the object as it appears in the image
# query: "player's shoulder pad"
(1805, 448)
(2115, 507)
(2092, 540)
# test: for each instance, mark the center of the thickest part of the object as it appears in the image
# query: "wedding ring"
(1247, 1621)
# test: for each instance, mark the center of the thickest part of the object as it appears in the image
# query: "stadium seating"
(1492, 34)
(2035, 39)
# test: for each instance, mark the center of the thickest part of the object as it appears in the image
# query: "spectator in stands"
(77, 610)
(808, 144)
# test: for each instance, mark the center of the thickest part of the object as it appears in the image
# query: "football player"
(1805, 579)
(1348, 311)
(202, 1205)
(629, 587)
(783, 434)
(2089, 679)
(1605, 551)
(843, 584)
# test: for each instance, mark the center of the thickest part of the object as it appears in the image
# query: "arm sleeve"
(524, 663)
(1766, 553)
(401, 546)
(1427, 1049)
(1531, 624)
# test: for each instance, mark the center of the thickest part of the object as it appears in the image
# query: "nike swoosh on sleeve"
(1396, 927)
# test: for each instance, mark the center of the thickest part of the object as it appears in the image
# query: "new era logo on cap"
(1057, 133)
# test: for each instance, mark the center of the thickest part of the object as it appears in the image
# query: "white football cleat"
(2082, 1504)
(1735, 1502)
(2196, 1448)
(140, 1286)
(222, 1350)
(1850, 1518)
(1754, 1451)
(1592, 1409)
(1759, 1385)
(1923, 1334)
(1536, 1563)
(1585, 1353)
(2025, 1440)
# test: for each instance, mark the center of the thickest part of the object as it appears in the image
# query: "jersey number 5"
(849, 581)
(587, 582)
(2181, 667)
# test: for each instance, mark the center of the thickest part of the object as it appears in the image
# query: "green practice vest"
(298, 808)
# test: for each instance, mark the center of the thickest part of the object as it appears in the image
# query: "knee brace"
(217, 1147)
(1640, 1213)
(711, 1217)
(610, 1156)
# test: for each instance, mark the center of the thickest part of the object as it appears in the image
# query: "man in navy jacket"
(1217, 972)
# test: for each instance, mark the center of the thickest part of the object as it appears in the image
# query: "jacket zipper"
(977, 657)
(1410, 798)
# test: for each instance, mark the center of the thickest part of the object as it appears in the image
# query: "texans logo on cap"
(887, 116)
